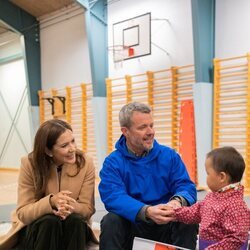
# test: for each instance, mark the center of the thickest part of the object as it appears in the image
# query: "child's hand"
(169, 212)
(174, 204)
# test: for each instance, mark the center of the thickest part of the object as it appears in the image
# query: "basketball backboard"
(133, 34)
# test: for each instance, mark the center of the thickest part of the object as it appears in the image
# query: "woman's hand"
(62, 204)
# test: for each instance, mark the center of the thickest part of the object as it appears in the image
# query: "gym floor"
(8, 197)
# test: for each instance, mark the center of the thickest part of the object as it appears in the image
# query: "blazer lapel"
(53, 182)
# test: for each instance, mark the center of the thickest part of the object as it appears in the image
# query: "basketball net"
(119, 53)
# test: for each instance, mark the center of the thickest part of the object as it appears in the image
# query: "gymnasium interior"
(82, 60)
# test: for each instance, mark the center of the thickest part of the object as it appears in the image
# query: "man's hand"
(160, 214)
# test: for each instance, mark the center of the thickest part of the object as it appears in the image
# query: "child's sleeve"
(189, 215)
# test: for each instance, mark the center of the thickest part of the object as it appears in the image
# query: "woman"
(55, 193)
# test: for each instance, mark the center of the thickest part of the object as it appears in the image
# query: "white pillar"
(203, 108)
(100, 123)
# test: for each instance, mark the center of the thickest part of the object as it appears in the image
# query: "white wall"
(15, 126)
(232, 36)
(9, 44)
(175, 37)
(64, 49)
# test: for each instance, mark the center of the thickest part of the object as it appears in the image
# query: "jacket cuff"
(180, 199)
(141, 216)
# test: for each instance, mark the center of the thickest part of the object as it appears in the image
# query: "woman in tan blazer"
(55, 194)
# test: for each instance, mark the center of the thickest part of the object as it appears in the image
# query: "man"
(138, 179)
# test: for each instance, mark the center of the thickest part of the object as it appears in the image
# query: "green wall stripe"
(203, 19)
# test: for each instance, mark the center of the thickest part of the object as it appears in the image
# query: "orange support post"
(84, 117)
(68, 104)
(187, 148)
(41, 106)
(150, 76)
(247, 160)
(109, 116)
(129, 88)
(174, 109)
(216, 103)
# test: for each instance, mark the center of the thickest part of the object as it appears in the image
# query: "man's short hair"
(127, 110)
(228, 160)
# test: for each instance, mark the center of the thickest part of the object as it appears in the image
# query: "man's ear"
(124, 131)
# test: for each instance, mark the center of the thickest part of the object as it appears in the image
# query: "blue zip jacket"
(129, 182)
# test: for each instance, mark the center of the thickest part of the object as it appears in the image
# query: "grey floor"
(5, 210)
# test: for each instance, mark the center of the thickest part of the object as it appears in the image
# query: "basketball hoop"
(120, 53)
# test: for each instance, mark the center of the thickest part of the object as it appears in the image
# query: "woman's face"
(64, 149)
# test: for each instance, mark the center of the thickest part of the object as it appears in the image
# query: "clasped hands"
(162, 213)
(62, 204)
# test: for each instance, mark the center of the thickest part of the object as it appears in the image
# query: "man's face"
(140, 135)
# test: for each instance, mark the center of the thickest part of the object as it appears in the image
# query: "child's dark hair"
(228, 160)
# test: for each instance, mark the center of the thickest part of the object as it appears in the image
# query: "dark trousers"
(118, 233)
(51, 233)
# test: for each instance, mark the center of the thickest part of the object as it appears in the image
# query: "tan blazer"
(29, 209)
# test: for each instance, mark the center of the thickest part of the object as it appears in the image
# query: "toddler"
(223, 215)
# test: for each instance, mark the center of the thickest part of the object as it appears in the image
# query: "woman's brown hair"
(45, 139)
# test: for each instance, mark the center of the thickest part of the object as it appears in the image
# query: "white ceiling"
(39, 8)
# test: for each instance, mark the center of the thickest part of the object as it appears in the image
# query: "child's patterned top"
(223, 216)
(232, 186)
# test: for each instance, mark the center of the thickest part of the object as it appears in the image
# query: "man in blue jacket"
(138, 179)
